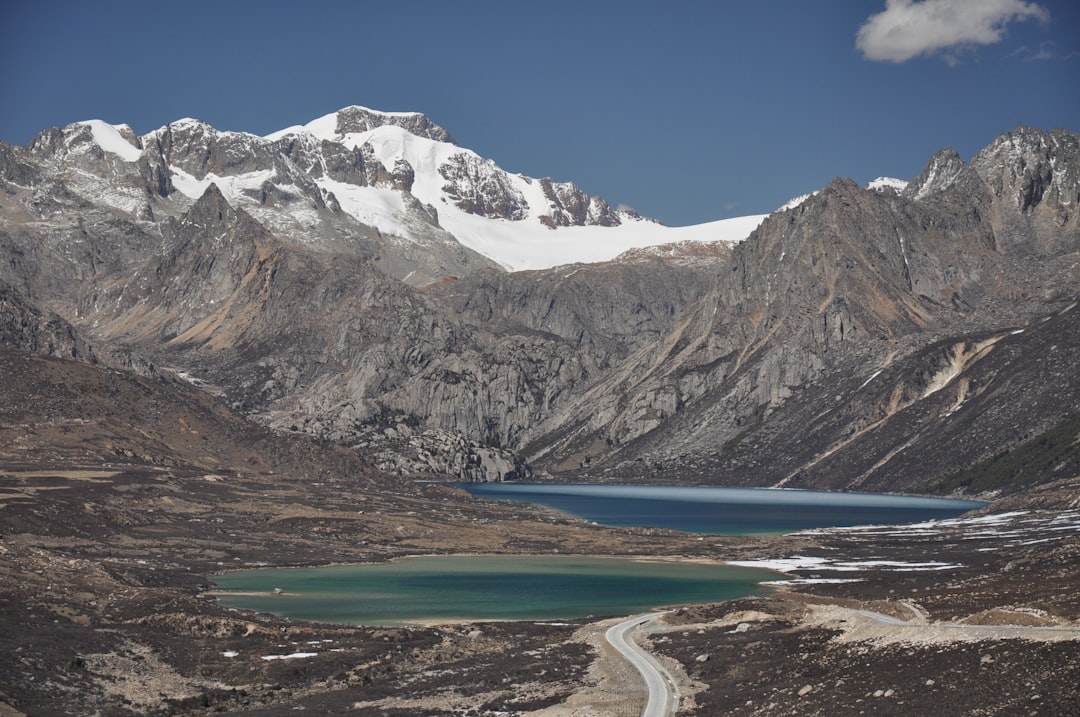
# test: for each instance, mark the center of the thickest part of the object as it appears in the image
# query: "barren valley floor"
(103, 570)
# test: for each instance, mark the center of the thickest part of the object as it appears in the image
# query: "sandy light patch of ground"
(613, 687)
(137, 676)
(87, 475)
(857, 627)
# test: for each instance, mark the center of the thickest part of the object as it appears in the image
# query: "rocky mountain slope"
(861, 339)
(319, 281)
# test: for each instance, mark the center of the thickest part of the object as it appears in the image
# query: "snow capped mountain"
(358, 171)
(509, 218)
(396, 178)
(878, 185)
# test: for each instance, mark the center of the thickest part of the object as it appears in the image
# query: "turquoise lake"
(448, 588)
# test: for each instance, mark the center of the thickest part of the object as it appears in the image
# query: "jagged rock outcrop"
(398, 449)
(938, 175)
(687, 251)
(354, 120)
(1034, 178)
(572, 207)
(14, 171)
(27, 328)
(319, 158)
(479, 187)
(199, 150)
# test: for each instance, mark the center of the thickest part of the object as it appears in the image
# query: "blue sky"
(686, 111)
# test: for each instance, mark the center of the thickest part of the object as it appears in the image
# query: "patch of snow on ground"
(1006, 530)
(812, 581)
(290, 656)
(783, 565)
(530, 245)
(803, 563)
(874, 375)
(924, 527)
(380, 208)
(896, 565)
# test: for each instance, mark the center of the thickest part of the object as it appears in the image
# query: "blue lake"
(445, 588)
(723, 511)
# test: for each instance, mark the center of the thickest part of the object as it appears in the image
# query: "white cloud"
(1047, 51)
(907, 29)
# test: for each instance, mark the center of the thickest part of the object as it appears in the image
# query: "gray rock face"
(13, 171)
(198, 149)
(479, 187)
(938, 175)
(319, 158)
(26, 327)
(887, 277)
(846, 343)
(573, 207)
(1034, 179)
(400, 450)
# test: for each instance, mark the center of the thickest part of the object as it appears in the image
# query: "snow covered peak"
(796, 201)
(117, 139)
(878, 185)
(352, 120)
(940, 173)
(185, 124)
(188, 122)
(192, 126)
(887, 183)
(368, 111)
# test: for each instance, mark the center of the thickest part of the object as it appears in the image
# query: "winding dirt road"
(663, 695)
(970, 630)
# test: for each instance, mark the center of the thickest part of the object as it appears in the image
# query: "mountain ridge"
(397, 173)
(669, 364)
